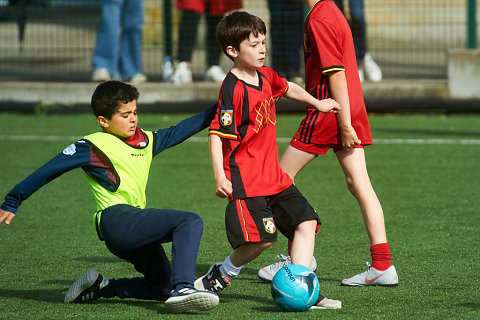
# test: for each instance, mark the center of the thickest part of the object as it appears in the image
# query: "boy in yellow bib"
(117, 163)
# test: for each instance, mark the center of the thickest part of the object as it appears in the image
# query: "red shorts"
(317, 148)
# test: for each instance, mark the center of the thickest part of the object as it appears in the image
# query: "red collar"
(139, 139)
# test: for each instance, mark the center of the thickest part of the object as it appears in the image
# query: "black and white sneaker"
(189, 298)
(213, 280)
(86, 288)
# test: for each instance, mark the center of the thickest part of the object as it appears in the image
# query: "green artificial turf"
(424, 168)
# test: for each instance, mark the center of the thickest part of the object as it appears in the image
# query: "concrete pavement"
(390, 95)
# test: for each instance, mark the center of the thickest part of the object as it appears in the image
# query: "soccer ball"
(295, 288)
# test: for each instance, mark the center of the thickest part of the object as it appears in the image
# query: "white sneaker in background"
(215, 73)
(361, 73)
(182, 73)
(373, 71)
(267, 273)
(138, 78)
(101, 75)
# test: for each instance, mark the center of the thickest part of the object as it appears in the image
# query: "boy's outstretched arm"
(6, 216)
(223, 186)
(338, 87)
(297, 93)
(74, 156)
(169, 137)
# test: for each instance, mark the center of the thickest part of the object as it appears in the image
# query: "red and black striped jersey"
(328, 46)
(246, 122)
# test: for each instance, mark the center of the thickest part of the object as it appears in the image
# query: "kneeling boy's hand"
(7, 216)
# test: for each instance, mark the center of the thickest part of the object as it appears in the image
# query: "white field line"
(33, 138)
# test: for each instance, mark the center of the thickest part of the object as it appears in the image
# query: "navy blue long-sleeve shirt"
(82, 154)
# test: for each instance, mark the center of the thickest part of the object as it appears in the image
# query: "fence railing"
(54, 39)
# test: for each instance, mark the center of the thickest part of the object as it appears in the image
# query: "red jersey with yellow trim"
(246, 122)
(328, 46)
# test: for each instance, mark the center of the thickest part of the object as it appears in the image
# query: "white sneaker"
(361, 73)
(191, 299)
(325, 303)
(267, 273)
(373, 277)
(182, 73)
(372, 69)
(101, 75)
(138, 78)
(215, 73)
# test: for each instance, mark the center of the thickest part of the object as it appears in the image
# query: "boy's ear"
(102, 121)
(232, 52)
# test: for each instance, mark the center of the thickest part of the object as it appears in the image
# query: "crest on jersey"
(226, 117)
(269, 225)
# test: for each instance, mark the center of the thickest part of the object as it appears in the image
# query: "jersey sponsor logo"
(226, 117)
(265, 115)
(269, 225)
(137, 155)
(70, 150)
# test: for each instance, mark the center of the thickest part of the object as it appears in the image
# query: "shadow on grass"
(56, 296)
(47, 295)
(470, 305)
(102, 259)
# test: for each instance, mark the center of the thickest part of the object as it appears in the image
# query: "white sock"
(229, 269)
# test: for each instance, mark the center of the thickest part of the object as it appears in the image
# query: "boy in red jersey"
(244, 156)
(331, 71)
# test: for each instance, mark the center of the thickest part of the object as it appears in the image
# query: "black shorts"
(257, 219)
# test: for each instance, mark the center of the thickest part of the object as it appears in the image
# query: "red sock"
(381, 258)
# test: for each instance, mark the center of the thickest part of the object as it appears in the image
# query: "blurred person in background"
(118, 47)
(192, 11)
(286, 27)
(366, 65)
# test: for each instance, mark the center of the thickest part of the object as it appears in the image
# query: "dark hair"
(108, 96)
(236, 27)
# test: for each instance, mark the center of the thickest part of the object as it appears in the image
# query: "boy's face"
(251, 53)
(123, 122)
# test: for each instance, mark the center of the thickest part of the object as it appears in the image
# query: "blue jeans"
(137, 236)
(118, 47)
(358, 26)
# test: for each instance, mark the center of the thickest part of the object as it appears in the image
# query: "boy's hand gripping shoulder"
(6, 216)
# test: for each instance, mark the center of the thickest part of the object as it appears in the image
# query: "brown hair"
(236, 27)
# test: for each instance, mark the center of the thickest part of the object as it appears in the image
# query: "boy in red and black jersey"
(246, 123)
(262, 198)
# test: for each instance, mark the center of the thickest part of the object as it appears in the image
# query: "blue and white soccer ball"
(295, 288)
